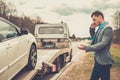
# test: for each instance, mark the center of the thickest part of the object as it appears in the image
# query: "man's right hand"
(93, 25)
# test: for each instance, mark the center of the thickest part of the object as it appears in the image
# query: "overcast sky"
(76, 13)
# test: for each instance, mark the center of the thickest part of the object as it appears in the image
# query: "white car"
(17, 50)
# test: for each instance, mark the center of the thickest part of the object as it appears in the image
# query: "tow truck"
(54, 49)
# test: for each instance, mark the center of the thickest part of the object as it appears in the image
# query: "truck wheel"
(70, 56)
(58, 64)
(32, 58)
(62, 60)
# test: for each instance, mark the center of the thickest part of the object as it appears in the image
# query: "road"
(76, 55)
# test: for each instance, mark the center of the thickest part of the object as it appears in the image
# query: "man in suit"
(101, 46)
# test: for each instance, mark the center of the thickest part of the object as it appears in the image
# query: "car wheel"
(32, 58)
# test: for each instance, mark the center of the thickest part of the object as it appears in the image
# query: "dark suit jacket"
(101, 45)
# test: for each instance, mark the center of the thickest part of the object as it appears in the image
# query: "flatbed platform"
(44, 55)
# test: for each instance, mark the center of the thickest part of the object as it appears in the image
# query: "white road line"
(75, 56)
(80, 53)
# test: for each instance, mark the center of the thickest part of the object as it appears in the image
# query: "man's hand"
(82, 47)
(93, 25)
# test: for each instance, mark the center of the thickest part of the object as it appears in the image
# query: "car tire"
(32, 58)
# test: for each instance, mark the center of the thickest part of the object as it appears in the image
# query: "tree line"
(116, 23)
(8, 11)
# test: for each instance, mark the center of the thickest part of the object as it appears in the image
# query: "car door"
(14, 55)
(3, 59)
(13, 42)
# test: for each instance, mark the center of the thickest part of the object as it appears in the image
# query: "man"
(100, 45)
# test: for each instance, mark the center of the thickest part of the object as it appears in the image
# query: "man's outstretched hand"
(82, 47)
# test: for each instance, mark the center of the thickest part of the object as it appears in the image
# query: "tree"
(116, 19)
(12, 9)
(28, 23)
(7, 9)
(39, 20)
(116, 23)
(3, 8)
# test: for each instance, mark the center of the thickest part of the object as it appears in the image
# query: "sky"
(76, 13)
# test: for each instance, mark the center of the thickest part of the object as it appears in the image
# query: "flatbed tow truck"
(54, 51)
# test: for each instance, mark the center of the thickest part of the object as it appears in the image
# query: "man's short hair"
(97, 13)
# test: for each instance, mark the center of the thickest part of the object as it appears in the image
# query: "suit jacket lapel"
(97, 34)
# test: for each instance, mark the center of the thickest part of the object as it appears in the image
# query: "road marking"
(76, 56)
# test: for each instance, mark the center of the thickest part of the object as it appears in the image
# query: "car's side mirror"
(24, 31)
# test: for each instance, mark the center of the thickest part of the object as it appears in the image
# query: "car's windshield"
(51, 30)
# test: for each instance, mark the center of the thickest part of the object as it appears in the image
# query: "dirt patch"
(115, 73)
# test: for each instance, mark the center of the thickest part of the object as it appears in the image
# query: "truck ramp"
(44, 55)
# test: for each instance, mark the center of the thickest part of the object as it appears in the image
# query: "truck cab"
(52, 35)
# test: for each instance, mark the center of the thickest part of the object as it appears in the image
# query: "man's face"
(96, 20)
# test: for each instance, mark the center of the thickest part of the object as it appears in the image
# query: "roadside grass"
(116, 56)
(115, 51)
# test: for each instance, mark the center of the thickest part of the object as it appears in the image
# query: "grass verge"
(116, 56)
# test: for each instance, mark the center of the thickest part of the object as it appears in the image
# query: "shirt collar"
(102, 25)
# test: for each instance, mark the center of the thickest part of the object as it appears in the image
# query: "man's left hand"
(82, 47)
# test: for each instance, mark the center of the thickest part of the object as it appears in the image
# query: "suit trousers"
(101, 72)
